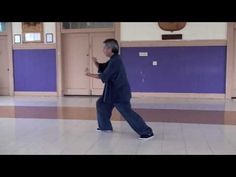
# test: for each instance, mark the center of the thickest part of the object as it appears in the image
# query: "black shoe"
(146, 137)
(100, 130)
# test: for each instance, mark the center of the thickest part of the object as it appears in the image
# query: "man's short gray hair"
(112, 44)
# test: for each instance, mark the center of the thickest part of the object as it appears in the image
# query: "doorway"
(6, 78)
(80, 41)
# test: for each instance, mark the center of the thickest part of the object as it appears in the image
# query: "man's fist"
(95, 59)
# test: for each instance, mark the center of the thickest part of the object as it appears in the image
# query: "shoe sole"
(146, 139)
(105, 131)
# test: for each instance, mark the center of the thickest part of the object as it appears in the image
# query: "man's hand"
(87, 73)
(95, 60)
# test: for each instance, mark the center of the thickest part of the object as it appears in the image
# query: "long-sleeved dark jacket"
(113, 74)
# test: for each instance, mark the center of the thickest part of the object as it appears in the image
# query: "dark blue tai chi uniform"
(117, 94)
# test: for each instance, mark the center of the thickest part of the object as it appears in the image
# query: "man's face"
(107, 51)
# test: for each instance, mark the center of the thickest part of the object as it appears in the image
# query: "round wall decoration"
(171, 26)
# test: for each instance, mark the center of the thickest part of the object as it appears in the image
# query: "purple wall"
(35, 70)
(180, 69)
(198, 69)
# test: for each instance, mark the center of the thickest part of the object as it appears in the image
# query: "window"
(2, 26)
(86, 25)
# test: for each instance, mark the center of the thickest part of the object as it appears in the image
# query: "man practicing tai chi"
(116, 92)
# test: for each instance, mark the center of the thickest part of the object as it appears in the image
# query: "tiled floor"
(63, 135)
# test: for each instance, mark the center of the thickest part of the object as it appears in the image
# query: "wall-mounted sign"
(49, 37)
(171, 26)
(32, 31)
(17, 38)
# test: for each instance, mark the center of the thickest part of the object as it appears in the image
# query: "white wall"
(16, 28)
(49, 27)
(148, 31)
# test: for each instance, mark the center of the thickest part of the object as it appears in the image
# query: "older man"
(116, 92)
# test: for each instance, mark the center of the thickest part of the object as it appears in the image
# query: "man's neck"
(112, 55)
